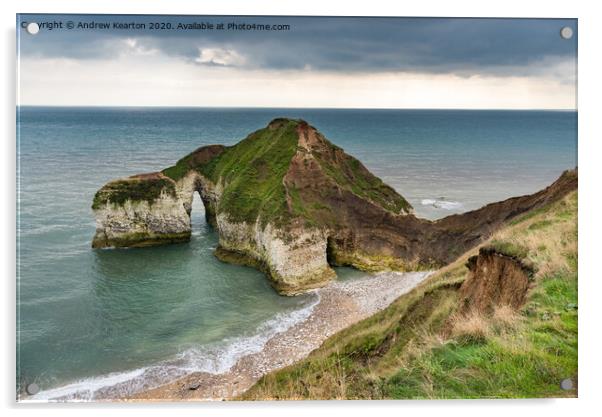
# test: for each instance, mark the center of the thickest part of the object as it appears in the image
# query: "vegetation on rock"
(135, 188)
(193, 161)
(253, 171)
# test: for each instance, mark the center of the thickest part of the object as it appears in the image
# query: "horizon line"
(294, 108)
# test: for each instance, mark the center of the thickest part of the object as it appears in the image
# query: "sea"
(97, 324)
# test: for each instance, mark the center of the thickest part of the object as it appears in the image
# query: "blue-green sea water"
(93, 323)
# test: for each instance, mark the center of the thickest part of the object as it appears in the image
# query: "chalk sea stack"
(292, 204)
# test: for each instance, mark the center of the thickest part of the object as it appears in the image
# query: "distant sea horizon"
(287, 108)
(89, 319)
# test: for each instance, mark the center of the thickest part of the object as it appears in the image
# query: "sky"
(333, 62)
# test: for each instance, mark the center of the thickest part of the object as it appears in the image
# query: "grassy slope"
(418, 348)
(253, 172)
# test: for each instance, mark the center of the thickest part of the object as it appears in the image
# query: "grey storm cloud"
(464, 46)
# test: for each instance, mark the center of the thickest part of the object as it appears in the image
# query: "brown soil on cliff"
(495, 279)
(326, 188)
(440, 242)
(463, 231)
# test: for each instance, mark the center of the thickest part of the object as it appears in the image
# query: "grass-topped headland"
(288, 197)
(253, 175)
(146, 187)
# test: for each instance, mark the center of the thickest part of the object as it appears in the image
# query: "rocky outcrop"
(294, 258)
(289, 202)
(146, 210)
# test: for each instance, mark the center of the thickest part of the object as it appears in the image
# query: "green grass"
(540, 224)
(252, 172)
(528, 362)
(180, 169)
(193, 161)
(133, 189)
(509, 249)
(298, 206)
(410, 350)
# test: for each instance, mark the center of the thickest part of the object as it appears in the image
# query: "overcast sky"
(318, 62)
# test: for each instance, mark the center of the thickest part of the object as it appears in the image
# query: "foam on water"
(442, 203)
(215, 359)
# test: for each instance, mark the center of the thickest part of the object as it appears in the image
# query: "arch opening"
(198, 220)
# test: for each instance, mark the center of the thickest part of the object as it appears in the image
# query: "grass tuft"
(471, 328)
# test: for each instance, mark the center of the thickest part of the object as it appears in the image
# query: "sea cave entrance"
(330, 254)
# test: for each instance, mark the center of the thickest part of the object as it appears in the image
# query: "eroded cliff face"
(293, 258)
(495, 279)
(287, 201)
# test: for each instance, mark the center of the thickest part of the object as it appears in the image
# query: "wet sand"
(341, 304)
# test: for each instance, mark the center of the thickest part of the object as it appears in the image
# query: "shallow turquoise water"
(124, 318)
